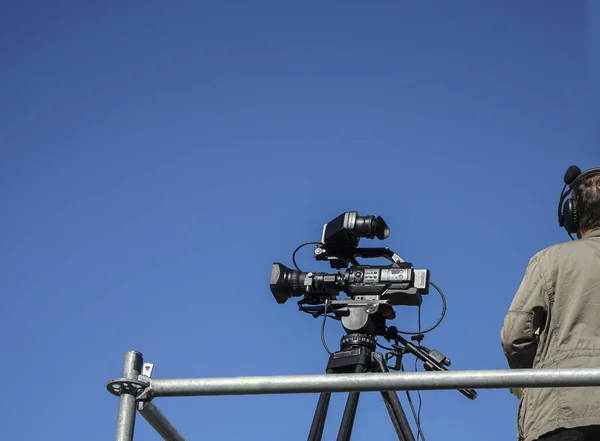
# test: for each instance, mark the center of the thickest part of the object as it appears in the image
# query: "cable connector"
(418, 338)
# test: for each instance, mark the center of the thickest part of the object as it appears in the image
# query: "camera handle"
(341, 256)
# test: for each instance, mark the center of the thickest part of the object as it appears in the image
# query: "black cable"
(441, 316)
(416, 416)
(297, 249)
(323, 329)
(419, 415)
(418, 420)
(314, 310)
(384, 347)
(420, 405)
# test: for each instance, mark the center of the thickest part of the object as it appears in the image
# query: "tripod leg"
(348, 417)
(393, 405)
(318, 424)
(349, 412)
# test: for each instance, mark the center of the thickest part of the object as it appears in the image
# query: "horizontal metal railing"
(376, 382)
(367, 382)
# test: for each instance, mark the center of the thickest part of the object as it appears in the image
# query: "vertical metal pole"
(127, 401)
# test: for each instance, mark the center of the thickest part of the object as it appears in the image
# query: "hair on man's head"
(587, 194)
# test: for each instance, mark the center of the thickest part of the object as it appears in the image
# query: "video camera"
(396, 284)
(372, 291)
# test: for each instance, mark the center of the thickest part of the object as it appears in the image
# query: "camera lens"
(286, 283)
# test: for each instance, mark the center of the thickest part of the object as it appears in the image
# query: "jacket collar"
(592, 233)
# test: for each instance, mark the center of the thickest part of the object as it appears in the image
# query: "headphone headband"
(585, 174)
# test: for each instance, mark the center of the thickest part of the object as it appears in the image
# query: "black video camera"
(395, 284)
(372, 290)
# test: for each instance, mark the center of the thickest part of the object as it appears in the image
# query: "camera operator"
(554, 320)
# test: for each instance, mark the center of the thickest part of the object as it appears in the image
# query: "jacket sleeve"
(526, 314)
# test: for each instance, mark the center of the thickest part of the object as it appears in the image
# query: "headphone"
(568, 214)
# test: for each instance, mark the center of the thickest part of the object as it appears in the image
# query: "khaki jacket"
(560, 295)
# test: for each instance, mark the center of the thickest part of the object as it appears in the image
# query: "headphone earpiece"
(570, 216)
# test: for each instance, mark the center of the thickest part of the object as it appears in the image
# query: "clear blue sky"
(156, 159)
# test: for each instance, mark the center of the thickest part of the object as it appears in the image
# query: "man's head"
(586, 192)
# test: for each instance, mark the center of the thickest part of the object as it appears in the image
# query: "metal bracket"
(122, 386)
(140, 388)
(147, 394)
(147, 369)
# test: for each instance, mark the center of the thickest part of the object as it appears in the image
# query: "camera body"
(399, 283)
(396, 284)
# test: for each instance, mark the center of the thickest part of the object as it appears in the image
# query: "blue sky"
(156, 159)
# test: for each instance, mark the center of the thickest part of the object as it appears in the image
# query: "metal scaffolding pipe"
(490, 379)
(126, 417)
(158, 421)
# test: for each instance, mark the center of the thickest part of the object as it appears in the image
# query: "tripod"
(358, 354)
